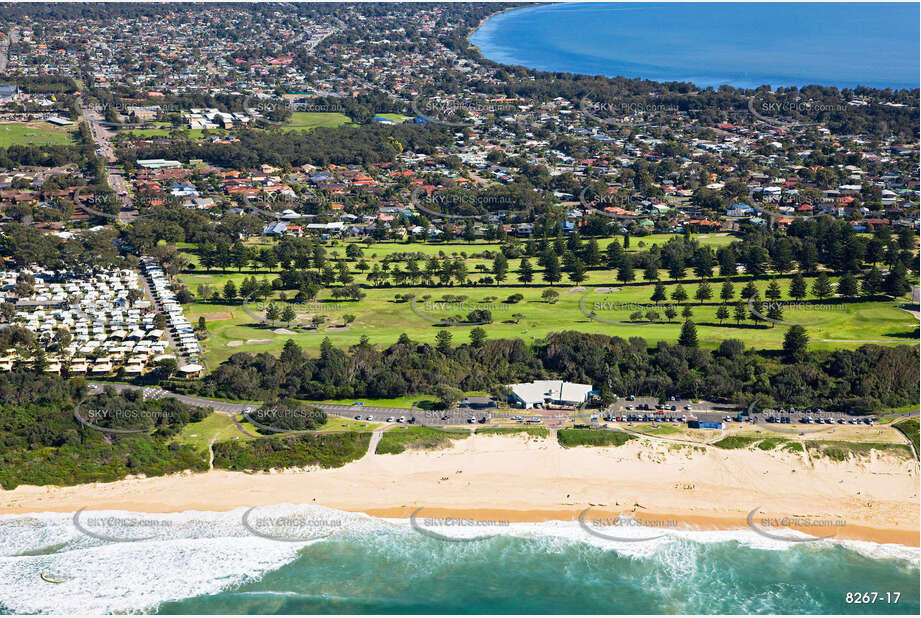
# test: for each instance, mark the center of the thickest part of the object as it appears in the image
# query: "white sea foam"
(196, 553)
(199, 553)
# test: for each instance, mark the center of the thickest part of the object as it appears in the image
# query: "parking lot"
(646, 409)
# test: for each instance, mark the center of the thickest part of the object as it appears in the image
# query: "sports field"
(307, 121)
(34, 133)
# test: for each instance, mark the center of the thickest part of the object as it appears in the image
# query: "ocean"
(744, 45)
(208, 563)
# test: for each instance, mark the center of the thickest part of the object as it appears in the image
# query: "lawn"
(382, 318)
(35, 133)
(215, 427)
(306, 121)
(398, 118)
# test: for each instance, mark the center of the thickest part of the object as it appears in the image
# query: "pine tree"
(625, 272)
(500, 267)
(552, 268)
(722, 313)
(271, 313)
(847, 286)
(773, 290)
(704, 292)
(443, 342)
(775, 312)
(688, 336)
(872, 282)
(821, 287)
(794, 344)
(798, 287)
(670, 312)
(896, 283)
(739, 312)
(525, 271)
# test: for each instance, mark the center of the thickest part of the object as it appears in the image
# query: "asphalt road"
(456, 416)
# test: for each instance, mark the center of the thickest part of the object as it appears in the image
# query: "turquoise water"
(206, 563)
(744, 45)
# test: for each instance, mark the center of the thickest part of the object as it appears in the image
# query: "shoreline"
(684, 522)
(479, 25)
(874, 499)
(737, 79)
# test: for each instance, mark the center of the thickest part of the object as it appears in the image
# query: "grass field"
(35, 133)
(306, 121)
(382, 318)
(399, 118)
(215, 427)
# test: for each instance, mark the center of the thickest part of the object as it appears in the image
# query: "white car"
(369, 418)
(402, 419)
(390, 419)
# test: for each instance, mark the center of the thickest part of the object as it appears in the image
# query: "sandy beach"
(516, 479)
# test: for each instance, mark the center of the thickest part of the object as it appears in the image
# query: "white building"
(542, 392)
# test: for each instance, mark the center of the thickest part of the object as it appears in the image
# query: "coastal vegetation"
(398, 439)
(326, 450)
(44, 443)
(843, 451)
(536, 432)
(909, 427)
(734, 442)
(592, 437)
